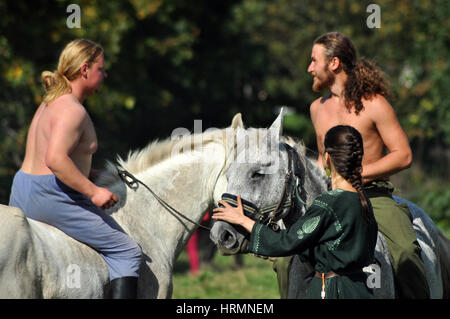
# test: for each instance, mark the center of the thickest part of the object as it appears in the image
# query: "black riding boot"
(124, 288)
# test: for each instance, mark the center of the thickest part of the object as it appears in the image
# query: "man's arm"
(393, 137)
(314, 113)
(67, 128)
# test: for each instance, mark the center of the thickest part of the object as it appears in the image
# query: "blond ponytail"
(55, 85)
(73, 56)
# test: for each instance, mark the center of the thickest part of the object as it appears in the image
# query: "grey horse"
(186, 170)
(277, 171)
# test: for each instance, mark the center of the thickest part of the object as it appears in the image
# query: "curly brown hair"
(364, 79)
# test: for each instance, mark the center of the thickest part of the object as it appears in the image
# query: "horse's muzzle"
(229, 241)
(230, 244)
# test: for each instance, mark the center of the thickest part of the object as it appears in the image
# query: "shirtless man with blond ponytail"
(52, 185)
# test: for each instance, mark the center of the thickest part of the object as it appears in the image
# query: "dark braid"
(345, 146)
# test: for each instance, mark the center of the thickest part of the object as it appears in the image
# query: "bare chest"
(88, 143)
(331, 114)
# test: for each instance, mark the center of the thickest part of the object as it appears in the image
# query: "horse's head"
(269, 176)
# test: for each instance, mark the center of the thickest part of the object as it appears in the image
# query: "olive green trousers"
(282, 266)
(395, 223)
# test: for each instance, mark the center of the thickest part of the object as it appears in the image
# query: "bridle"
(132, 182)
(271, 214)
(268, 215)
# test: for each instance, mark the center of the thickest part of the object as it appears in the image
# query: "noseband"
(271, 214)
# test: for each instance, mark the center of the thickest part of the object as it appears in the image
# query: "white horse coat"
(40, 261)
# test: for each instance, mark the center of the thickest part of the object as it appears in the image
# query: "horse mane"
(158, 151)
(299, 146)
(155, 152)
(315, 178)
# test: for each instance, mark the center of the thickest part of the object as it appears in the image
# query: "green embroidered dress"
(333, 236)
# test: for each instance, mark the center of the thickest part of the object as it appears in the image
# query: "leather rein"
(132, 182)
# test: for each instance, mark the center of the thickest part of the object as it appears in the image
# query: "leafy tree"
(172, 61)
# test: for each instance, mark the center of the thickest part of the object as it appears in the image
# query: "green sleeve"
(305, 233)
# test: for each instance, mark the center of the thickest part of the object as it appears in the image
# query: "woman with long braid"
(345, 151)
(338, 232)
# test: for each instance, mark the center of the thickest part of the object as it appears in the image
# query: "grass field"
(223, 280)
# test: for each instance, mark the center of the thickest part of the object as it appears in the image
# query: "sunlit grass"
(223, 280)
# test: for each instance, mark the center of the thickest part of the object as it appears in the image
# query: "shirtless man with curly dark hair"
(358, 92)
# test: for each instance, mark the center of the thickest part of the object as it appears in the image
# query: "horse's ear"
(271, 140)
(277, 125)
(237, 121)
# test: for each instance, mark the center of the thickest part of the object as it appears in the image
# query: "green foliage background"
(173, 61)
(222, 279)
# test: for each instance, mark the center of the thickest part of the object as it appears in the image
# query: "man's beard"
(319, 85)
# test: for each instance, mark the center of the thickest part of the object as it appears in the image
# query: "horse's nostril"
(227, 239)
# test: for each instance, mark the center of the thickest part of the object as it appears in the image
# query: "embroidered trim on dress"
(322, 205)
(311, 224)
(338, 226)
(256, 242)
(335, 192)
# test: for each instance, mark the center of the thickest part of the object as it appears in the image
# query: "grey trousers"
(46, 199)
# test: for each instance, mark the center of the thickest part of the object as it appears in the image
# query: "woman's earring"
(328, 172)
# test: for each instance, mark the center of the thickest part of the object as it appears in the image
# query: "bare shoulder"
(317, 103)
(314, 105)
(67, 106)
(377, 105)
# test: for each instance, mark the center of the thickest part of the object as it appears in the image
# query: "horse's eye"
(257, 175)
